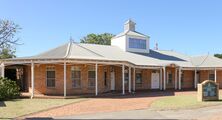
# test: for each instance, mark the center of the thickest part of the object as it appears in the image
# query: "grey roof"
(114, 53)
(206, 61)
(130, 33)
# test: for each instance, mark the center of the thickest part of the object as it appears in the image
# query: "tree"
(103, 39)
(218, 55)
(7, 53)
(8, 30)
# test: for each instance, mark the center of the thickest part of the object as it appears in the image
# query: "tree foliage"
(8, 40)
(218, 55)
(103, 39)
(8, 89)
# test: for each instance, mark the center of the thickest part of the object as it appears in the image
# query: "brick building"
(127, 65)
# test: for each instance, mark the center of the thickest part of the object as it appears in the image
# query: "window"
(91, 76)
(137, 43)
(50, 76)
(138, 77)
(126, 77)
(211, 76)
(182, 77)
(169, 78)
(76, 76)
(105, 78)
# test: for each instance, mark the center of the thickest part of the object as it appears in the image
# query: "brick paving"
(107, 104)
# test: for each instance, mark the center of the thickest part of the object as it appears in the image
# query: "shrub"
(8, 89)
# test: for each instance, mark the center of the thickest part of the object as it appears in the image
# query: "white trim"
(32, 79)
(65, 83)
(129, 79)
(2, 70)
(195, 79)
(134, 79)
(161, 79)
(176, 78)
(215, 75)
(123, 79)
(164, 78)
(179, 78)
(96, 75)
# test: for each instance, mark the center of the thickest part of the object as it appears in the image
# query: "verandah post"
(129, 79)
(65, 79)
(123, 79)
(32, 78)
(96, 75)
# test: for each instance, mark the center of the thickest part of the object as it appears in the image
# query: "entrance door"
(112, 80)
(155, 81)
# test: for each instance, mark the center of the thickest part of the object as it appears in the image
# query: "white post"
(3, 70)
(32, 78)
(64, 79)
(123, 79)
(96, 79)
(215, 75)
(134, 79)
(195, 78)
(129, 79)
(175, 78)
(179, 78)
(164, 78)
(161, 79)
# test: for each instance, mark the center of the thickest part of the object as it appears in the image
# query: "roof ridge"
(88, 50)
(68, 49)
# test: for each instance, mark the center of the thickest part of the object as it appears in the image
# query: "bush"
(8, 89)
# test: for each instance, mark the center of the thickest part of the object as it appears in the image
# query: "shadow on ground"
(2, 104)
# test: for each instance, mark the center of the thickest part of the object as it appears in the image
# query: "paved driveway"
(108, 103)
(206, 113)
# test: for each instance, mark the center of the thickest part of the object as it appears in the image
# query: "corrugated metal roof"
(113, 53)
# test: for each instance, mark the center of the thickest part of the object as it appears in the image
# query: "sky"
(192, 27)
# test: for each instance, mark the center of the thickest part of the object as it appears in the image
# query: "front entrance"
(155, 80)
(112, 80)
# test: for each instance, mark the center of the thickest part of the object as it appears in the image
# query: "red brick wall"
(40, 79)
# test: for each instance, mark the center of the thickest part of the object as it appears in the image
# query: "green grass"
(181, 102)
(19, 107)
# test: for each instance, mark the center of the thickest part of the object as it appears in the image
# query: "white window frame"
(50, 68)
(73, 78)
(169, 72)
(211, 73)
(91, 69)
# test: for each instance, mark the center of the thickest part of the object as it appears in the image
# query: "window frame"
(50, 69)
(168, 79)
(137, 43)
(209, 75)
(141, 79)
(91, 69)
(73, 70)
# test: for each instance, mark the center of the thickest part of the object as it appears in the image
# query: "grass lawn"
(19, 107)
(181, 102)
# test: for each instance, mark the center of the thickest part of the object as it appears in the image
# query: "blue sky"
(189, 26)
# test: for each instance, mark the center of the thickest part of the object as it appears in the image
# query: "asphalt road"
(200, 113)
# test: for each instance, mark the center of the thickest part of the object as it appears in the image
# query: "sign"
(208, 90)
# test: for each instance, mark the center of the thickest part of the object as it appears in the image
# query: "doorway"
(155, 80)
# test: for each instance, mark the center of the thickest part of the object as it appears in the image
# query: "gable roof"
(130, 33)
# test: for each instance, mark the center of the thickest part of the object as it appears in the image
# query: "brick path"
(107, 104)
